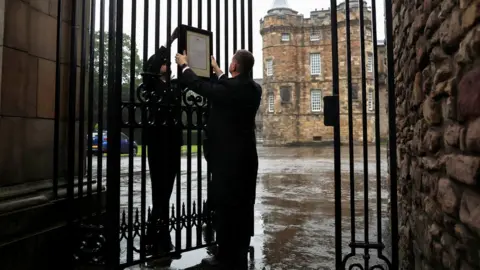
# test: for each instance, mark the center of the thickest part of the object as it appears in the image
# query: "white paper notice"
(197, 51)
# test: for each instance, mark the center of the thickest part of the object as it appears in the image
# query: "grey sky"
(260, 8)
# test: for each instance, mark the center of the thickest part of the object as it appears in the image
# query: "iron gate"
(349, 257)
(113, 103)
(114, 108)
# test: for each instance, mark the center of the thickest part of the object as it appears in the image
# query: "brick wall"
(437, 57)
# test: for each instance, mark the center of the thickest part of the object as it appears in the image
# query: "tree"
(126, 71)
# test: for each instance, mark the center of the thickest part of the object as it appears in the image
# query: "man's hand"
(181, 59)
(216, 68)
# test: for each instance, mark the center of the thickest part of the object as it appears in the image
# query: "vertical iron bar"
(101, 82)
(81, 109)
(72, 94)
(199, 15)
(189, 111)
(90, 98)
(199, 110)
(226, 37)
(143, 184)
(234, 26)
(178, 232)
(115, 38)
(56, 123)
(392, 136)
(157, 25)
(250, 29)
(377, 125)
(131, 121)
(190, 11)
(209, 15)
(217, 33)
(350, 125)
(336, 137)
(169, 68)
(242, 27)
(366, 255)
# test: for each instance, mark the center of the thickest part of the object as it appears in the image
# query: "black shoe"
(212, 250)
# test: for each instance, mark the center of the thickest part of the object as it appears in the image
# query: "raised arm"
(217, 91)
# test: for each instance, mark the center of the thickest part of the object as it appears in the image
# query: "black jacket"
(165, 102)
(231, 132)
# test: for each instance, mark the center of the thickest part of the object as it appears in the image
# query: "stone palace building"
(297, 60)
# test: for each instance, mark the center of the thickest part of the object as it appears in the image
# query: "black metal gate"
(358, 254)
(113, 106)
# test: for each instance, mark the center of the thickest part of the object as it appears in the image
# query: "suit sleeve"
(214, 91)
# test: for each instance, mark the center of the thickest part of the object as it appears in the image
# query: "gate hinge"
(330, 110)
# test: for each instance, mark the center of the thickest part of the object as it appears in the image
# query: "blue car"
(124, 144)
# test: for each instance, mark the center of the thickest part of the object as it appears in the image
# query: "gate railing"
(363, 259)
(108, 186)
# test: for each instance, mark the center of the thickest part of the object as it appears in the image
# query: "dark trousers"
(233, 233)
(164, 151)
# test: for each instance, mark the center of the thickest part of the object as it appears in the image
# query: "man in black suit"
(164, 141)
(233, 154)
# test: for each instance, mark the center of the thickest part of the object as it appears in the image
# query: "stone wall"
(437, 68)
(293, 121)
(27, 88)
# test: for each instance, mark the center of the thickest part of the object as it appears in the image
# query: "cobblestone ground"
(294, 214)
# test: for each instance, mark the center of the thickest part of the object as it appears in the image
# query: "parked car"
(124, 144)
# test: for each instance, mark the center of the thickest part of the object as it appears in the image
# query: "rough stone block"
(452, 135)
(465, 169)
(432, 111)
(432, 140)
(470, 15)
(470, 210)
(472, 139)
(469, 95)
(449, 195)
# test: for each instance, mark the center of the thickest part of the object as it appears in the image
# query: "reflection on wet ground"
(294, 213)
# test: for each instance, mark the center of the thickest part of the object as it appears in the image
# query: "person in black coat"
(233, 155)
(164, 141)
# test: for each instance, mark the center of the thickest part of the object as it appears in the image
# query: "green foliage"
(131, 69)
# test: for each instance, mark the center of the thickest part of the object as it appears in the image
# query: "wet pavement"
(294, 213)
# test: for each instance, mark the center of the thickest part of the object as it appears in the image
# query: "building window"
(370, 62)
(285, 37)
(285, 94)
(270, 67)
(315, 35)
(371, 101)
(271, 102)
(354, 91)
(316, 101)
(315, 64)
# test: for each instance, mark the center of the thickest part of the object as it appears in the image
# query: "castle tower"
(297, 60)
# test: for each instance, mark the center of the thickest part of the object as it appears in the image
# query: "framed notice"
(199, 47)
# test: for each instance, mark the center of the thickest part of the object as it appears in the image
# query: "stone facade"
(292, 120)
(27, 88)
(437, 56)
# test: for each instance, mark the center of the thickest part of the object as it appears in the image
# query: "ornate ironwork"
(91, 244)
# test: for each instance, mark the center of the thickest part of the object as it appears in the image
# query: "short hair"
(245, 61)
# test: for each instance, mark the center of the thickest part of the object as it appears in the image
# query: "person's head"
(242, 63)
(163, 69)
